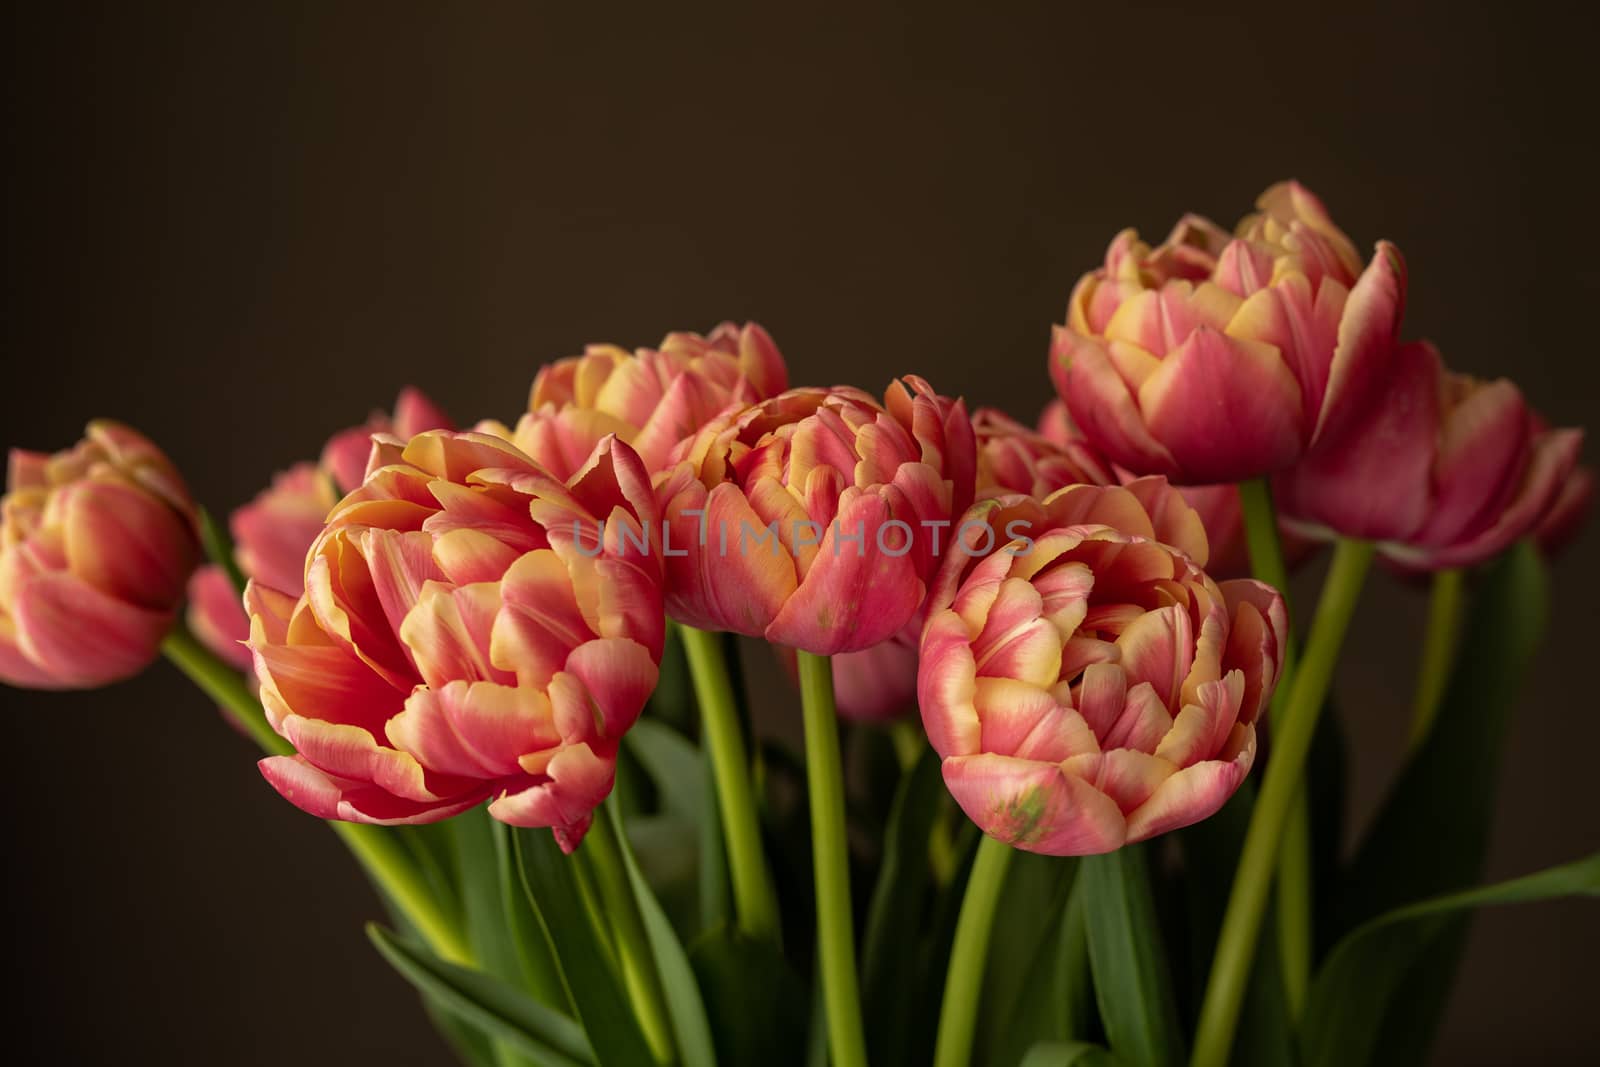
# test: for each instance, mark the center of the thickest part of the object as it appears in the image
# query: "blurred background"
(241, 230)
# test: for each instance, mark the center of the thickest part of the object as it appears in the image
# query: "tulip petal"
(947, 687)
(1227, 409)
(1034, 806)
(217, 617)
(1192, 794)
(81, 637)
(1101, 403)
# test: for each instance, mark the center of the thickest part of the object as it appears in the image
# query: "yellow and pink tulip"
(96, 545)
(1212, 358)
(814, 519)
(1086, 684)
(472, 629)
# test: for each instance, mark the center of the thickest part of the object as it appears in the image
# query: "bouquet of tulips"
(501, 663)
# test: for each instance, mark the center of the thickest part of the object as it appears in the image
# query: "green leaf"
(896, 916)
(492, 1005)
(756, 1004)
(691, 1030)
(1068, 1054)
(1131, 975)
(1428, 813)
(1354, 986)
(583, 956)
(1035, 886)
(1056, 1003)
(1431, 835)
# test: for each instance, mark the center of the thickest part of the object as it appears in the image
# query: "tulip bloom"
(272, 533)
(469, 631)
(1014, 459)
(1088, 685)
(1567, 515)
(652, 398)
(1442, 470)
(345, 455)
(1210, 359)
(816, 519)
(96, 543)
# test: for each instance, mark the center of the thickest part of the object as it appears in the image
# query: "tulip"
(96, 543)
(815, 519)
(1014, 459)
(1218, 506)
(1213, 359)
(1561, 523)
(272, 533)
(344, 457)
(472, 629)
(1086, 684)
(652, 398)
(1441, 470)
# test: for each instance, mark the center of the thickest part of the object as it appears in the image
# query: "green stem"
(755, 900)
(397, 878)
(620, 911)
(386, 863)
(226, 686)
(964, 980)
(831, 859)
(1294, 887)
(1438, 651)
(1241, 924)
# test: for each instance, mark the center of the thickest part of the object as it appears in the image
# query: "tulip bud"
(345, 455)
(1442, 470)
(815, 519)
(652, 398)
(1015, 459)
(1086, 684)
(96, 544)
(472, 629)
(1209, 359)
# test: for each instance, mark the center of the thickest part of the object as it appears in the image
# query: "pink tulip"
(1217, 505)
(815, 519)
(472, 628)
(1014, 459)
(1214, 359)
(652, 398)
(272, 533)
(1566, 517)
(344, 457)
(1442, 470)
(1088, 685)
(96, 543)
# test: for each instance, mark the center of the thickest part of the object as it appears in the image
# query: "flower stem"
(831, 859)
(1438, 651)
(397, 878)
(223, 684)
(620, 910)
(1230, 967)
(385, 862)
(964, 980)
(755, 900)
(1294, 852)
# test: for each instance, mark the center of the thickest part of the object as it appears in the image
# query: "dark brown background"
(243, 230)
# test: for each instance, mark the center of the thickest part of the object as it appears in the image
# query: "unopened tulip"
(816, 519)
(651, 398)
(472, 629)
(96, 544)
(1568, 514)
(1086, 684)
(272, 533)
(1442, 470)
(1213, 359)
